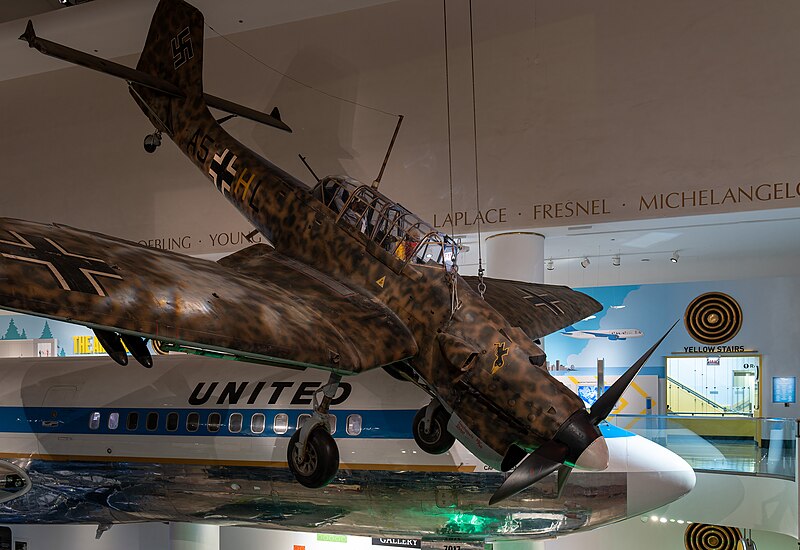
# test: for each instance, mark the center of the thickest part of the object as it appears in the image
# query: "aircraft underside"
(436, 505)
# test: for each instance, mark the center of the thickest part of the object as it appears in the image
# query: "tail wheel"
(321, 461)
(437, 440)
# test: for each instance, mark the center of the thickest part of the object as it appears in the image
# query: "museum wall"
(585, 113)
(144, 536)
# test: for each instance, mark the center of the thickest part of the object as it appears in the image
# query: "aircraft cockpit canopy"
(390, 225)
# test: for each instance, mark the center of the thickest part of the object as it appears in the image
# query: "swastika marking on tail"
(182, 50)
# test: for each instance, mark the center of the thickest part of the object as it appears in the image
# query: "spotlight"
(615, 260)
(549, 265)
(675, 257)
(585, 263)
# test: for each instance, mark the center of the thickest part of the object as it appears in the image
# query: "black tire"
(321, 462)
(438, 440)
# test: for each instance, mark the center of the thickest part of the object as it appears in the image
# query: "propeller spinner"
(577, 443)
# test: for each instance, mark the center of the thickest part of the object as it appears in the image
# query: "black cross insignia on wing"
(545, 299)
(72, 272)
(222, 172)
(182, 50)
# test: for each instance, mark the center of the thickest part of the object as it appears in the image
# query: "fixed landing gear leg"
(312, 454)
(430, 429)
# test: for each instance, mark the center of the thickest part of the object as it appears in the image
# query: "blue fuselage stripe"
(383, 424)
(376, 424)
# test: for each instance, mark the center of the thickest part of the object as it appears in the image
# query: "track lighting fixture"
(549, 265)
(585, 263)
(615, 260)
(674, 258)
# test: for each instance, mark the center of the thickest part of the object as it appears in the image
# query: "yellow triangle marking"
(381, 281)
(638, 388)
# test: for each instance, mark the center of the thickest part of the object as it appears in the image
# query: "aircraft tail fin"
(173, 50)
(173, 53)
(570, 328)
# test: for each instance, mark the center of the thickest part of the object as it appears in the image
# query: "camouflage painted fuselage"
(478, 365)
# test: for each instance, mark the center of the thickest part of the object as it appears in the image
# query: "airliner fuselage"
(198, 439)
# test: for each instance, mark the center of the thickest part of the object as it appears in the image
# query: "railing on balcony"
(743, 444)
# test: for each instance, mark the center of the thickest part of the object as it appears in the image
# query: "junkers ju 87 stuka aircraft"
(352, 281)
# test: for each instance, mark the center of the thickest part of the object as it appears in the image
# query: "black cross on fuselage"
(544, 299)
(72, 272)
(222, 171)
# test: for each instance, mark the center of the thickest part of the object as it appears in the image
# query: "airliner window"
(214, 422)
(192, 422)
(151, 423)
(133, 421)
(172, 422)
(301, 419)
(353, 424)
(257, 423)
(113, 421)
(94, 421)
(280, 425)
(235, 423)
(333, 423)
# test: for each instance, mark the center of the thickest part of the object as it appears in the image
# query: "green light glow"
(468, 524)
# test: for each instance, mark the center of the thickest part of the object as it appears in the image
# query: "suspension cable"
(296, 81)
(449, 122)
(481, 283)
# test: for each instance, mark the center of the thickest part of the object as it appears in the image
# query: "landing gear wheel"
(437, 440)
(321, 461)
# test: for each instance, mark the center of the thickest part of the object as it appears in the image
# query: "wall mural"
(765, 325)
(26, 336)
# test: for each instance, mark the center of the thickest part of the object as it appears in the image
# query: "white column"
(193, 536)
(518, 256)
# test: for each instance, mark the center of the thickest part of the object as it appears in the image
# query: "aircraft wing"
(538, 309)
(283, 313)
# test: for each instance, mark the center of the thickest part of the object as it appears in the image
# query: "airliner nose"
(656, 476)
(595, 456)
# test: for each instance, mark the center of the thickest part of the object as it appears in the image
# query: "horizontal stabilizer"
(95, 63)
(134, 76)
(246, 112)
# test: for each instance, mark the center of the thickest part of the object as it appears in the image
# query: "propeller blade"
(539, 464)
(514, 456)
(605, 404)
(563, 475)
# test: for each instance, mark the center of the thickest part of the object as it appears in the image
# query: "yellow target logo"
(700, 536)
(713, 318)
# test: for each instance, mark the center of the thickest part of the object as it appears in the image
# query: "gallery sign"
(401, 543)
